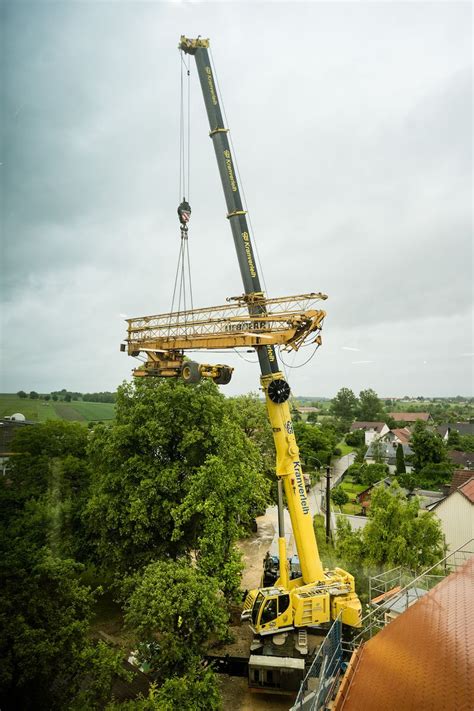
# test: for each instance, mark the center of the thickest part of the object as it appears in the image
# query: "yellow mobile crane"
(318, 596)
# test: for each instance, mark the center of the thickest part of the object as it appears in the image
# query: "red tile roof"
(403, 434)
(409, 416)
(421, 660)
(460, 477)
(468, 490)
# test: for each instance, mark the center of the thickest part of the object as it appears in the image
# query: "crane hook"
(184, 213)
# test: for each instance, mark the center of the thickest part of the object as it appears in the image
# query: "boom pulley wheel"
(278, 391)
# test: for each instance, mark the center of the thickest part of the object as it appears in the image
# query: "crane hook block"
(278, 391)
(184, 212)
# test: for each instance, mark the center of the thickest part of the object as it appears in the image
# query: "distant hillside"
(40, 410)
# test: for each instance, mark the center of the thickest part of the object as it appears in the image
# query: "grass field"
(41, 411)
(351, 490)
(345, 448)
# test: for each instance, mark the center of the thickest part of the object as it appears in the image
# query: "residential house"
(307, 410)
(427, 498)
(456, 514)
(464, 428)
(410, 416)
(459, 477)
(386, 452)
(462, 460)
(399, 436)
(373, 430)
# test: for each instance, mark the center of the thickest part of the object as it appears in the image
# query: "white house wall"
(456, 514)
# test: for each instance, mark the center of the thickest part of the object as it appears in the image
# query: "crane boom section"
(288, 462)
(235, 210)
(288, 321)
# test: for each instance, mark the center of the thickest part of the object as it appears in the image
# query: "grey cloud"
(353, 130)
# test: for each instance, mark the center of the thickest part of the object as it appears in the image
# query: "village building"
(464, 428)
(373, 430)
(385, 452)
(456, 514)
(411, 416)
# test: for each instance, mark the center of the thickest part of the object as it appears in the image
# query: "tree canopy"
(370, 407)
(177, 607)
(344, 406)
(397, 533)
(174, 475)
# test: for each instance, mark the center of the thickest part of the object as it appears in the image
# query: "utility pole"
(328, 503)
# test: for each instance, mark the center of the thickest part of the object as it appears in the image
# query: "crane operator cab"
(270, 612)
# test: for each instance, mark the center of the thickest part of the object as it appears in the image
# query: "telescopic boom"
(276, 389)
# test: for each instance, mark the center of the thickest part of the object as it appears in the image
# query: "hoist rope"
(295, 367)
(234, 156)
(184, 131)
(182, 282)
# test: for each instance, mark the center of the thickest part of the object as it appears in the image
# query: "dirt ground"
(236, 696)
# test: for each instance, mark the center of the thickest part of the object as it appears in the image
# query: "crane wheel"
(224, 376)
(190, 372)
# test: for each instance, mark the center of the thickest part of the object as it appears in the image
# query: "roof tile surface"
(468, 490)
(424, 659)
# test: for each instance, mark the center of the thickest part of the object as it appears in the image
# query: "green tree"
(48, 659)
(370, 408)
(356, 438)
(466, 443)
(295, 414)
(339, 496)
(312, 417)
(34, 395)
(344, 406)
(198, 690)
(174, 475)
(400, 460)
(454, 439)
(21, 394)
(179, 608)
(427, 446)
(377, 451)
(250, 413)
(369, 474)
(316, 444)
(397, 533)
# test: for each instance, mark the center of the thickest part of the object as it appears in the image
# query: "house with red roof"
(410, 416)
(456, 512)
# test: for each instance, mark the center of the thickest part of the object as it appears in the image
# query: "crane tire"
(224, 376)
(190, 372)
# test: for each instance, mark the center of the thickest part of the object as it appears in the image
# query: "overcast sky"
(352, 124)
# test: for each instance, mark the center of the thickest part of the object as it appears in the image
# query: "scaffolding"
(395, 589)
